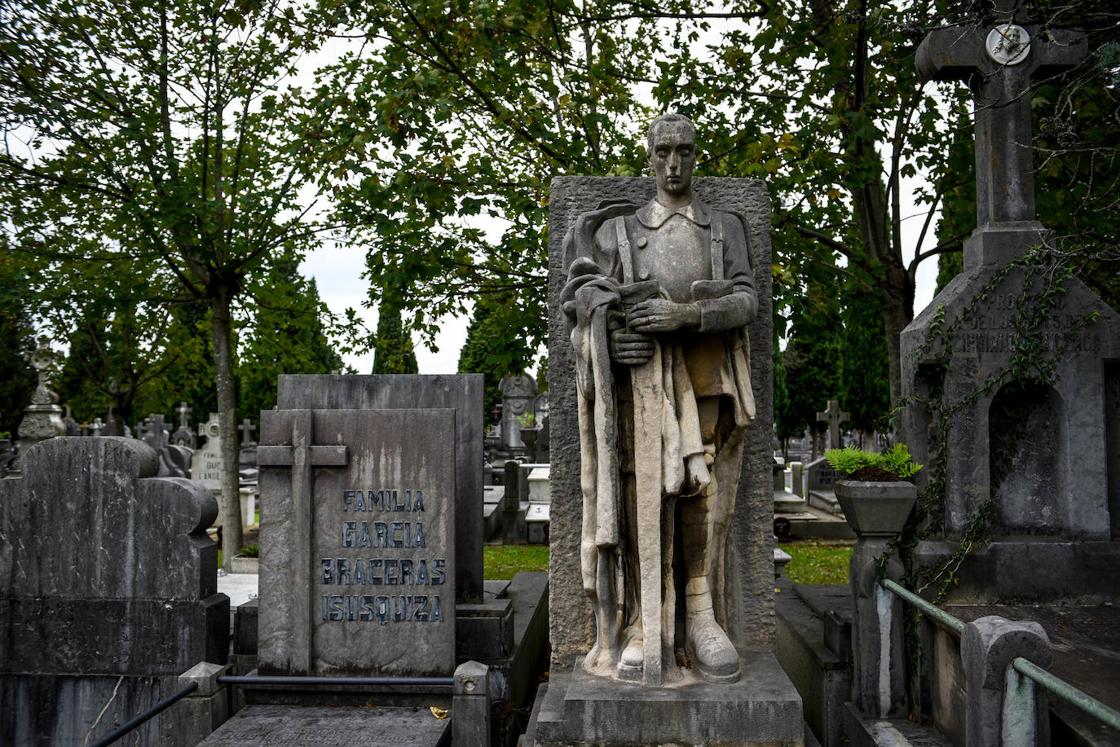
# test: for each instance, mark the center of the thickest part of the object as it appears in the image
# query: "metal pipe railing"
(927, 609)
(1035, 673)
(324, 681)
(145, 716)
(1068, 692)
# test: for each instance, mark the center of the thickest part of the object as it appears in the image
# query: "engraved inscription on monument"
(357, 539)
(372, 575)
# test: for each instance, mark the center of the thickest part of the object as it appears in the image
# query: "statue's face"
(673, 157)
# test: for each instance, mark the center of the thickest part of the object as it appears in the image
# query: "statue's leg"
(709, 646)
(726, 471)
(632, 638)
(604, 602)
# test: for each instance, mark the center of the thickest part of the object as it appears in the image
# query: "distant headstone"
(821, 476)
(834, 416)
(247, 457)
(73, 428)
(184, 435)
(42, 419)
(153, 431)
(247, 429)
(518, 393)
(108, 592)
(115, 425)
(206, 464)
(357, 542)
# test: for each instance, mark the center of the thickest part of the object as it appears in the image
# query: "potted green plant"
(874, 490)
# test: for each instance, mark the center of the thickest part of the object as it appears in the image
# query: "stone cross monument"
(42, 419)
(999, 61)
(834, 416)
(1015, 444)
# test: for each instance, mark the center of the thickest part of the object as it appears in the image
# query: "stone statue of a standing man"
(657, 299)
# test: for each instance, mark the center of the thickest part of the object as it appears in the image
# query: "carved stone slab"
(357, 542)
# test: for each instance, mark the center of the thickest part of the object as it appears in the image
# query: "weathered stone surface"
(108, 590)
(206, 463)
(266, 725)
(749, 543)
(988, 646)
(460, 392)
(470, 706)
(357, 542)
(1048, 442)
(762, 708)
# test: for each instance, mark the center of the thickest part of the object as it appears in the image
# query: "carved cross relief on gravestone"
(357, 530)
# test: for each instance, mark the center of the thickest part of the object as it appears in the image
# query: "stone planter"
(529, 438)
(876, 509)
(245, 565)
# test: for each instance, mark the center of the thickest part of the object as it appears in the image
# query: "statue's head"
(671, 147)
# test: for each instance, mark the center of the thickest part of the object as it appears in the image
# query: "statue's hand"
(630, 349)
(697, 475)
(661, 315)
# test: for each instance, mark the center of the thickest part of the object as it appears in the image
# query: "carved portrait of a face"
(672, 154)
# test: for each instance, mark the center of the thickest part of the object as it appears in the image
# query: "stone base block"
(762, 708)
(330, 727)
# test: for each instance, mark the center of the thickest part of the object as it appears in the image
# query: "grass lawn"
(504, 561)
(815, 563)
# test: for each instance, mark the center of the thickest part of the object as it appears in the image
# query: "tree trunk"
(898, 311)
(222, 329)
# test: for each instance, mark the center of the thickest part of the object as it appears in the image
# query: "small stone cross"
(184, 415)
(157, 432)
(999, 60)
(834, 416)
(43, 360)
(247, 429)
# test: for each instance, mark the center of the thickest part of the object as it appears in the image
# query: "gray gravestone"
(183, 435)
(357, 542)
(834, 416)
(518, 393)
(460, 392)
(108, 591)
(750, 540)
(206, 464)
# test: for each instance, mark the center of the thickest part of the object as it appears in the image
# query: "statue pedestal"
(762, 708)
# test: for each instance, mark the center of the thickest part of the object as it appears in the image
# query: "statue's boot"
(633, 656)
(708, 645)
